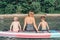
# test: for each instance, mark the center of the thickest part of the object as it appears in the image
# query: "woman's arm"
(35, 25)
(24, 24)
(39, 25)
(47, 26)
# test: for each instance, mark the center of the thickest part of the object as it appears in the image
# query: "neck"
(43, 21)
(15, 21)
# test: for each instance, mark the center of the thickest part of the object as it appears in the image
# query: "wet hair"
(43, 17)
(31, 13)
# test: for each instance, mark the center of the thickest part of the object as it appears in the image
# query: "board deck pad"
(51, 34)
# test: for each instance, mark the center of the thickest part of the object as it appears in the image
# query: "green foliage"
(24, 6)
(35, 7)
(3, 4)
(2, 7)
(10, 9)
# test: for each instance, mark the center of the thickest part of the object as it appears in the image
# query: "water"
(54, 23)
(1, 38)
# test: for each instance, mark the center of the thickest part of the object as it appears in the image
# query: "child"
(43, 24)
(15, 25)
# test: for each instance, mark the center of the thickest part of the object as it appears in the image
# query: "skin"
(43, 24)
(30, 20)
(16, 25)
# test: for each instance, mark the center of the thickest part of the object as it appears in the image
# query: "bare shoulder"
(40, 23)
(13, 22)
(18, 22)
(46, 22)
(26, 17)
(33, 18)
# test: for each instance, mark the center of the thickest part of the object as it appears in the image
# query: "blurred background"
(23, 6)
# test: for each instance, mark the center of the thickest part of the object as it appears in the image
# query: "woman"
(29, 22)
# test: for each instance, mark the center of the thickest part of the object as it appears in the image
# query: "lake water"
(54, 23)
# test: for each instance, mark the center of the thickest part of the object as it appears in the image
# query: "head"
(15, 18)
(42, 18)
(31, 14)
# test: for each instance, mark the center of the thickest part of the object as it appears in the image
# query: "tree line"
(23, 6)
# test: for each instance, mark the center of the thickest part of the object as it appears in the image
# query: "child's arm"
(39, 25)
(19, 26)
(35, 25)
(11, 26)
(24, 24)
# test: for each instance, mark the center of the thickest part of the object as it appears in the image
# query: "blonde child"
(15, 25)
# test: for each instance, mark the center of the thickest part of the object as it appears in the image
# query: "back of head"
(15, 18)
(31, 13)
(43, 18)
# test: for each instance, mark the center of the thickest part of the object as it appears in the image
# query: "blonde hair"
(30, 13)
(15, 17)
